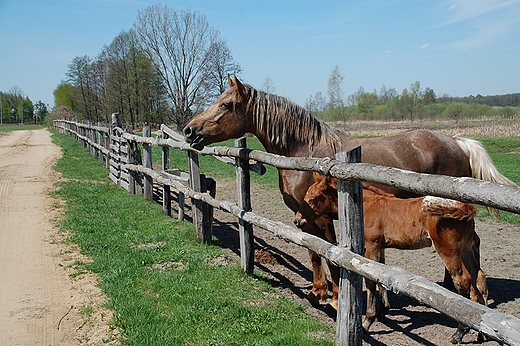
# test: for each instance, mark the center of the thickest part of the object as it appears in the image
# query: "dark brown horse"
(408, 224)
(285, 128)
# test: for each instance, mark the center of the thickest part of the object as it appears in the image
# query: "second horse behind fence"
(408, 224)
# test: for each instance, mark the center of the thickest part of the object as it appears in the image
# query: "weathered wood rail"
(502, 327)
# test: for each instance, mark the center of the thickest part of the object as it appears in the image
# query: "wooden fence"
(119, 150)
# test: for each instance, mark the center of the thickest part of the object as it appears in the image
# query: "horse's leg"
(371, 309)
(372, 251)
(479, 291)
(384, 302)
(319, 280)
(462, 282)
(448, 281)
(326, 227)
(449, 246)
(319, 290)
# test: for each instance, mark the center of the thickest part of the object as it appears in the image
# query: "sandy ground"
(287, 267)
(40, 302)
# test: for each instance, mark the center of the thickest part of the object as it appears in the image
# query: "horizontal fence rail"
(502, 327)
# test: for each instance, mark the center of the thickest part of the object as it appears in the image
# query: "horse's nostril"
(187, 131)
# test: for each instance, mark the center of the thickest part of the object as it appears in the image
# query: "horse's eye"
(224, 105)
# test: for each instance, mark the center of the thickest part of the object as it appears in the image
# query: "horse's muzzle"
(299, 221)
(194, 136)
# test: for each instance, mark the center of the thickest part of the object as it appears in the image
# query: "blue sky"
(457, 48)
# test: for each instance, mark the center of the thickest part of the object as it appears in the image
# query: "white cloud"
(486, 20)
(424, 46)
(468, 9)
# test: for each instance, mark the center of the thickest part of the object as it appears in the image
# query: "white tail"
(482, 166)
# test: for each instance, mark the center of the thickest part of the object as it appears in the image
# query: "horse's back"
(420, 151)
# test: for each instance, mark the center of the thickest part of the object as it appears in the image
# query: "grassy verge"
(164, 286)
(15, 127)
(215, 168)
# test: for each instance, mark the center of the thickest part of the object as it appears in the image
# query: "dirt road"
(40, 304)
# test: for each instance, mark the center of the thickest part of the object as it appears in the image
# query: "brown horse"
(285, 128)
(408, 224)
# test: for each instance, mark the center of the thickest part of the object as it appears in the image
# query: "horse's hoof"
(366, 325)
(381, 315)
(456, 338)
(334, 304)
(313, 299)
(482, 338)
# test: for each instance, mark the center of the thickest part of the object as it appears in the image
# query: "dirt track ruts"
(40, 304)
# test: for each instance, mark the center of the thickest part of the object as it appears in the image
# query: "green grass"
(505, 153)
(15, 127)
(194, 302)
(215, 168)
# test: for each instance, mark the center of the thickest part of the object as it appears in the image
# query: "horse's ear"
(332, 181)
(230, 81)
(240, 87)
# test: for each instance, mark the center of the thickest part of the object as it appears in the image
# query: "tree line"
(412, 104)
(165, 69)
(16, 108)
(172, 64)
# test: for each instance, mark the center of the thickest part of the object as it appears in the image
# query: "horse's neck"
(285, 128)
(331, 141)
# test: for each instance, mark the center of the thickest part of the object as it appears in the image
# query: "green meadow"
(166, 288)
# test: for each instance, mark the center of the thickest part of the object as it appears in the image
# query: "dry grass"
(482, 127)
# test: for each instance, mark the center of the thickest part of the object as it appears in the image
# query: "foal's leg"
(330, 236)
(384, 302)
(372, 251)
(450, 245)
(323, 228)
(319, 280)
(462, 281)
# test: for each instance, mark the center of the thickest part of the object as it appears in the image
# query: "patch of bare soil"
(287, 267)
(43, 298)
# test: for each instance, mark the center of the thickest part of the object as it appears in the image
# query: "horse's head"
(321, 199)
(224, 119)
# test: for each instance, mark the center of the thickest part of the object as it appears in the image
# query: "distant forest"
(509, 100)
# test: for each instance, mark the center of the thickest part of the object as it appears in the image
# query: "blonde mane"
(287, 123)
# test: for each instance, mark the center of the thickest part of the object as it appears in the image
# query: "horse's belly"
(407, 242)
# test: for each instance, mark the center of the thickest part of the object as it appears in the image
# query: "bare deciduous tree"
(132, 82)
(268, 85)
(220, 64)
(336, 104)
(180, 45)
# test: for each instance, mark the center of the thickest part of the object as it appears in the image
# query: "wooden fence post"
(100, 142)
(209, 185)
(351, 235)
(147, 162)
(196, 185)
(244, 202)
(132, 174)
(167, 204)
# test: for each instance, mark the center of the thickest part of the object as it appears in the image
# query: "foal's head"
(321, 199)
